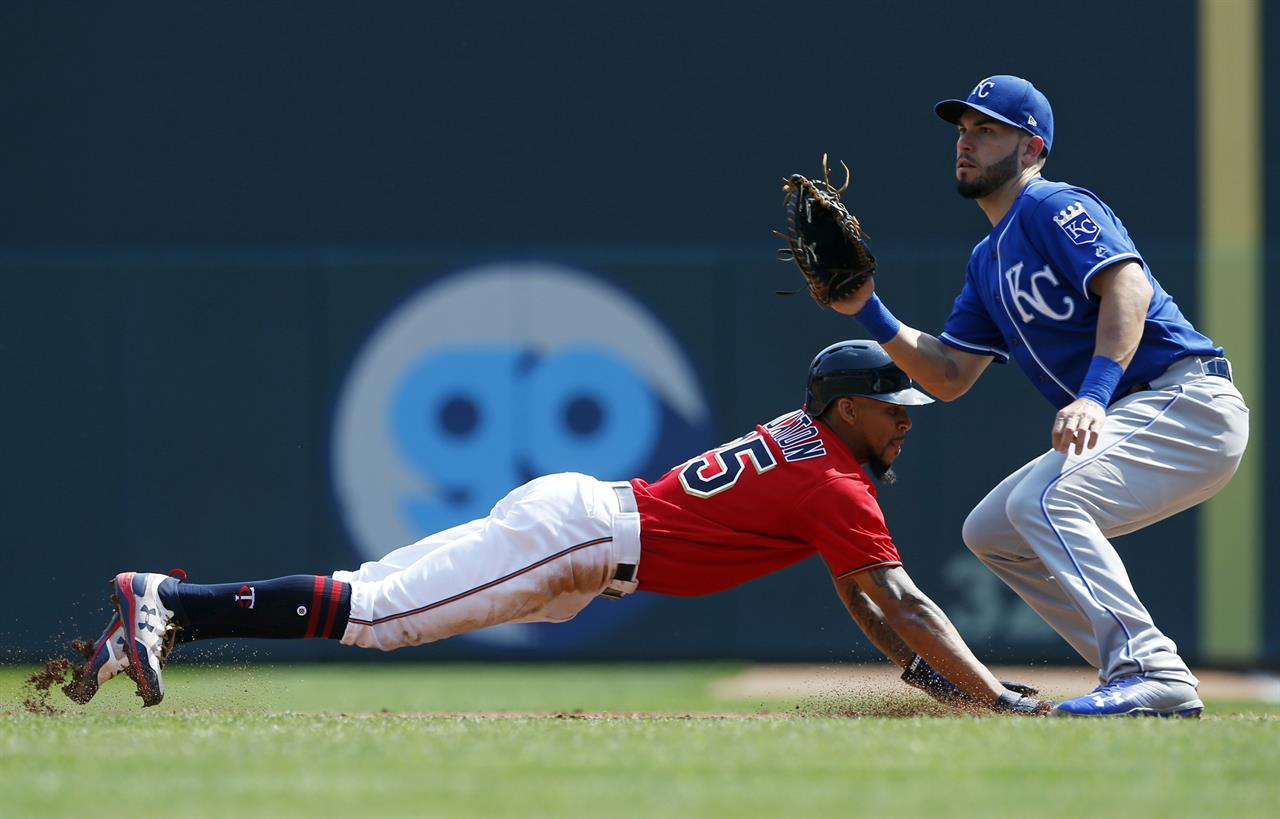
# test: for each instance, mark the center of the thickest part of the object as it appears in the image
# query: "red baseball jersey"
(759, 504)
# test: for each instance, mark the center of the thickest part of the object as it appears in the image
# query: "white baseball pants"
(546, 550)
(1044, 530)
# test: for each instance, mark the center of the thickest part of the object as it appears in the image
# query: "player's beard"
(883, 471)
(992, 178)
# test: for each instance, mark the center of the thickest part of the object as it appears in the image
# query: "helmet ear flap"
(813, 405)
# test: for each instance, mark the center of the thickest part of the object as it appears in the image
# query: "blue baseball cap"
(1008, 99)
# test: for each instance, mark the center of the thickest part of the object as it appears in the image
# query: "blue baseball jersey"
(1026, 294)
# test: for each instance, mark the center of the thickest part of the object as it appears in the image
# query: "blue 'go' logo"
(487, 379)
(482, 420)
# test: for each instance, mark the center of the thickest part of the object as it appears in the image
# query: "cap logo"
(1031, 120)
(982, 89)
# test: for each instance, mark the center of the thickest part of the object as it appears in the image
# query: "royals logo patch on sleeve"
(1077, 224)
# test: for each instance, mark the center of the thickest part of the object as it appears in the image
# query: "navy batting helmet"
(862, 368)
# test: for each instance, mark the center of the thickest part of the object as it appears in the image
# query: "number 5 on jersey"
(720, 468)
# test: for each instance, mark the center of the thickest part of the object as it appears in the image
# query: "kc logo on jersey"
(1077, 224)
(1033, 298)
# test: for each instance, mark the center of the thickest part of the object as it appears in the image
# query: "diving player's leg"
(155, 611)
(406, 556)
(546, 551)
(543, 554)
(991, 537)
(293, 607)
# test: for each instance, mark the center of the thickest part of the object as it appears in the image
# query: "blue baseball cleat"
(1134, 697)
(104, 660)
(146, 625)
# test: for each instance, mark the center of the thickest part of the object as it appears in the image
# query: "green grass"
(315, 741)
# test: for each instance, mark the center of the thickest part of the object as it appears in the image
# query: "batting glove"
(919, 674)
(1011, 703)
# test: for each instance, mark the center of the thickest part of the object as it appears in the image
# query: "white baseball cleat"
(1136, 696)
(145, 626)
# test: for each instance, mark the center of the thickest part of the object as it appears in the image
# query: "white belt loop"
(626, 543)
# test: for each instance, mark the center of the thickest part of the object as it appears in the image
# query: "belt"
(626, 541)
(1182, 370)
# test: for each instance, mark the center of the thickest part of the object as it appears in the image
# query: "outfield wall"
(245, 416)
(258, 302)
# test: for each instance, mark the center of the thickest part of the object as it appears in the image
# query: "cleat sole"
(1192, 712)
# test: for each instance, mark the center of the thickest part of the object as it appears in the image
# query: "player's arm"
(872, 622)
(947, 373)
(1124, 295)
(916, 671)
(922, 626)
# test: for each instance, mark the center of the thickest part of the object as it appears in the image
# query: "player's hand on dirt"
(856, 300)
(1078, 424)
(919, 674)
(1016, 704)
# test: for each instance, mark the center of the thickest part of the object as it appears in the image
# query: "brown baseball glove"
(823, 238)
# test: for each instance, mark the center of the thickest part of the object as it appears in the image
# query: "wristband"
(919, 674)
(1101, 380)
(877, 320)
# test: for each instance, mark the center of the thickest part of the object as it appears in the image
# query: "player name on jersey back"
(797, 436)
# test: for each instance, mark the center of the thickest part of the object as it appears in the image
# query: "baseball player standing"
(1148, 421)
(788, 489)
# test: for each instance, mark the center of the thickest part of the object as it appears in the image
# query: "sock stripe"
(317, 597)
(335, 595)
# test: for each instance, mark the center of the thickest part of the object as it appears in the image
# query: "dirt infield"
(824, 681)
(843, 690)
(588, 716)
(871, 690)
(900, 708)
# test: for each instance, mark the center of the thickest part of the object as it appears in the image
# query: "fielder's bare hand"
(1078, 424)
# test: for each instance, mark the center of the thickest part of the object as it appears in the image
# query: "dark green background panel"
(206, 211)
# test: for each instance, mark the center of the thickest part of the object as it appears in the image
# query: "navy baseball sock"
(300, 605)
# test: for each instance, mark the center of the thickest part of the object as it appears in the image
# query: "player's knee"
(986, 531)
(1033, 509)
(976, 535)
(1024, 508)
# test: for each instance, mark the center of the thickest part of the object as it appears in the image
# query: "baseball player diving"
(796, 485)
(1148, 421)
